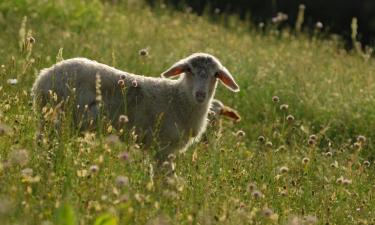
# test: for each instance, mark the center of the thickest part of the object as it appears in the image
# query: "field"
(303, 152)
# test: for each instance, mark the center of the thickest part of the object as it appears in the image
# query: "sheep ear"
(175, 70)
(231, 113)
(227, 79)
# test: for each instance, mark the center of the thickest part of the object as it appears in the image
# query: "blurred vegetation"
(304, 156)
(335, 15)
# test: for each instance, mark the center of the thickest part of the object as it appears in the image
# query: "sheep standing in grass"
(172, 112)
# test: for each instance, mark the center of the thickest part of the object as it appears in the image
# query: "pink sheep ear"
(227, 79)
(231, 113)
(176, 69)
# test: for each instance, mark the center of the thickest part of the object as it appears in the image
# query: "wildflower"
(305, 160)
(122, 77)
(311, 142)
(261, 25)
(275, 99)
(134, 83)
(366, 163)
(123, 119)
(267, 212)
(261, 138)
(94, 169)
(257, 194)
(12, 81)
(284, 169)
(31, 40)
(251, 186)
(335, 164)
(284, 107)
(290, 118)
(121, 83)
(361, 139)
(143, 52)
(313, 137)
(357, 145)
(268, 144)
(171, 157)
(281, 148)
(240, 133)
(122, 181)
(20, 157)
(123, 156)
(329, 154)
(319, 25)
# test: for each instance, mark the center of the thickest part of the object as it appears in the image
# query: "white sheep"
(171, 111)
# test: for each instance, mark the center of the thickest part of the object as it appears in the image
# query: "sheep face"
(201, 74)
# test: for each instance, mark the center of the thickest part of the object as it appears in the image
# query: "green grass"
(330, 93)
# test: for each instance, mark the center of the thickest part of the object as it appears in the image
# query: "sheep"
(171, 111)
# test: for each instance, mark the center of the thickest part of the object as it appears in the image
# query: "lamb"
(171, 111)
(218, 109)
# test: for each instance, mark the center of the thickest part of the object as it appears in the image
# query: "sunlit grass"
(305, 156)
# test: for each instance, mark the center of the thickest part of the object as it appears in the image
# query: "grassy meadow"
(303, 152)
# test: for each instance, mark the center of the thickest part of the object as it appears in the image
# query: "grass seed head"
(361, 139)
(366, 163)
(240, 133)
(257, 194)
(121, 83)
(124, 156)
(269, 144)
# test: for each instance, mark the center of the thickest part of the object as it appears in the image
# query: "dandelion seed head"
(240, 133)
(122, 181)
(261, 138)
(361, 139)
(257, 194)
(290, 118)
(302, 7)
(124, 156)
(366, 163)
(121, 83)
(283, 169)
(269, 144)
(319, 25)
(284, 107)
(31, 40)
(94, 168)
(143, 52)
(275, 99)
(123, 119)
(251, 187)
(305, 160)
(134, 83)
(27, 172)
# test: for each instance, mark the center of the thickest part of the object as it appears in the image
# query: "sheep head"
(201, 72)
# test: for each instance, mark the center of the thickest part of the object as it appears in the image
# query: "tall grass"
(310, 162)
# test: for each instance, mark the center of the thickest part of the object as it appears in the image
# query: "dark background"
(336, 15)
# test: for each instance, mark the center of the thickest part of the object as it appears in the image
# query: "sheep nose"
(200, 96)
